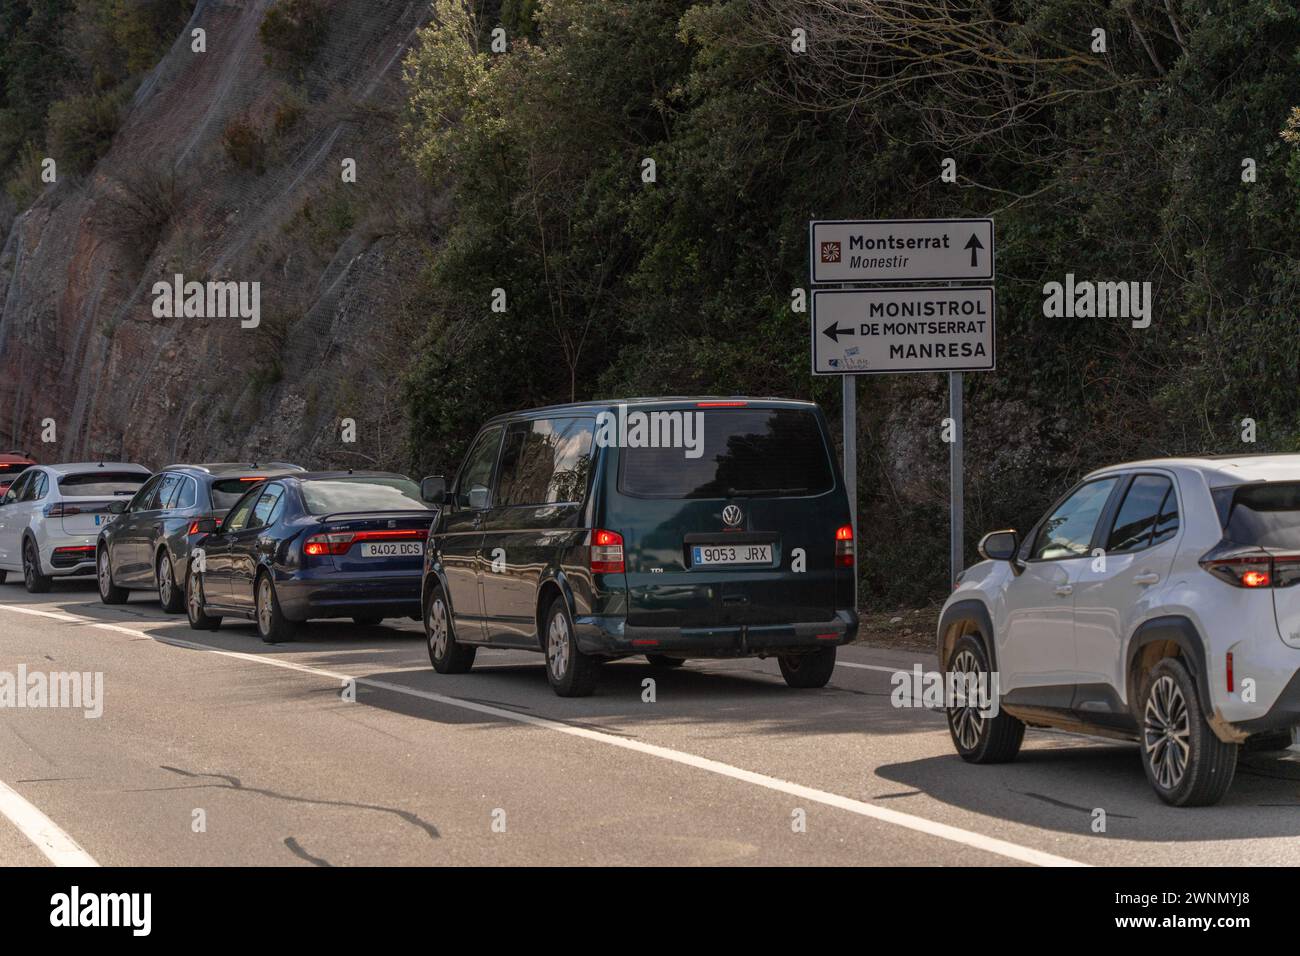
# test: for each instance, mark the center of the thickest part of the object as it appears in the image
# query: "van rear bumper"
(611, 636)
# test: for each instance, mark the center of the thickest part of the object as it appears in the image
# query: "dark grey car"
(147, 546)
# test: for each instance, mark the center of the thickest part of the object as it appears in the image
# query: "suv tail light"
(1253, 567)
(606, 552)
(204, 526)
(340, 542)
(844, 546)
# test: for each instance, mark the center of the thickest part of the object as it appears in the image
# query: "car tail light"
(203, 526)
(606, 552)
(82, 549)
(844, 546)
(1253, 568)
(61, 510)
(340, 542)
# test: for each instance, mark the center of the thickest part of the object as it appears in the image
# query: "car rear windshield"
(332, 495)
(733, 453)
(10, 467)
(226, 491)
(101, 484)
(1263, 515)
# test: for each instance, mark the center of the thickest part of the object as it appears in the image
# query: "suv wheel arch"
(1170, 633)
(963, 618)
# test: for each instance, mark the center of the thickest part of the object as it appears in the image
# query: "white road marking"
(979, 841)
(46, 835)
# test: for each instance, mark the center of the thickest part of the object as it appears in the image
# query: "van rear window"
(743, 452)
(1263, 515)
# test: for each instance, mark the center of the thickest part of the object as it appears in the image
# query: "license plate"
(103, 519)
(706, 554)
(393, 549)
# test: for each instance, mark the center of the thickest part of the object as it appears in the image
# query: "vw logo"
(732, 516)
(392, 524)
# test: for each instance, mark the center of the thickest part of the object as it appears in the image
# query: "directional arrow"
(974, 245)
(834, 332)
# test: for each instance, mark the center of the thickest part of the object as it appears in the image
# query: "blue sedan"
(313, 545)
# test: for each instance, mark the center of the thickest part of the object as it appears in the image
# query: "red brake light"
(1229, 672)
(606, 552)
(1253, 568)
(194, 528)
(721, 404)
(340, 542)
(844, 546)
(1255, 579)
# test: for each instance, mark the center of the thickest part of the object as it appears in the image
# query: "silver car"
(52, 514)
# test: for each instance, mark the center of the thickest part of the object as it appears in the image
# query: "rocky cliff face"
(228, 166)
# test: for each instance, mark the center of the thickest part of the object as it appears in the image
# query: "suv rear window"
(332, 495)
(747, 452)
(101, 484)
(1263, 515)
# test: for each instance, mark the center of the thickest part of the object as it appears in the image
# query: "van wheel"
(1188, 765)
(571, 672)
(446, 654)
(663, 660)
(979, 738)
(109, 592)
(272, 625)
(812, 669)
(200, 620)
(33, 579)
(170, 596)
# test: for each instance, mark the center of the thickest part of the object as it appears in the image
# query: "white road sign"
(900, 250)
(865, 331)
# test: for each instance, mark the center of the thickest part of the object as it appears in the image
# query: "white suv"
(1157, 601)
(51, 516)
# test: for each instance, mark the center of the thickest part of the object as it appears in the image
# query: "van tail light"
(1253, 567)
(340, 542)
(1229, 663)
(844, 546)
(606, 552)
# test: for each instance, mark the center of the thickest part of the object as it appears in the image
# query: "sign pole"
(955, 474)
(849, 391)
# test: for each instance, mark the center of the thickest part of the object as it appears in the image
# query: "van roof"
(665, 402)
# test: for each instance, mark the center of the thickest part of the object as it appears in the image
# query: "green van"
(670, 527)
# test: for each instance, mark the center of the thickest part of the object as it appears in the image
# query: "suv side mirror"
(117, 507)
(999, 545)
(434, 490)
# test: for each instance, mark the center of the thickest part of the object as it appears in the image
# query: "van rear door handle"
(1146, 577)
(1064, 590)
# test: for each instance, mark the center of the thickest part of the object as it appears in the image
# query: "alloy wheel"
(557, 646)
(438, 630)
(29, 567)
(194, 598)
(967, 722)
(264, 606)
(1166, 732)
(165, 580)
(105, 573)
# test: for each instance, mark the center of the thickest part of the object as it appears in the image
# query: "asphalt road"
(345, 748)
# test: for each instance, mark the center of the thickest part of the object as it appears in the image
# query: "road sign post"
(956, 492)
(915, 295)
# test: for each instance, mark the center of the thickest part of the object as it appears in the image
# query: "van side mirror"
(999, 545)
(434, 490)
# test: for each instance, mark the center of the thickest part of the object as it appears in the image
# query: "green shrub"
(244, 145)
(79, 129)
(296, 28)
